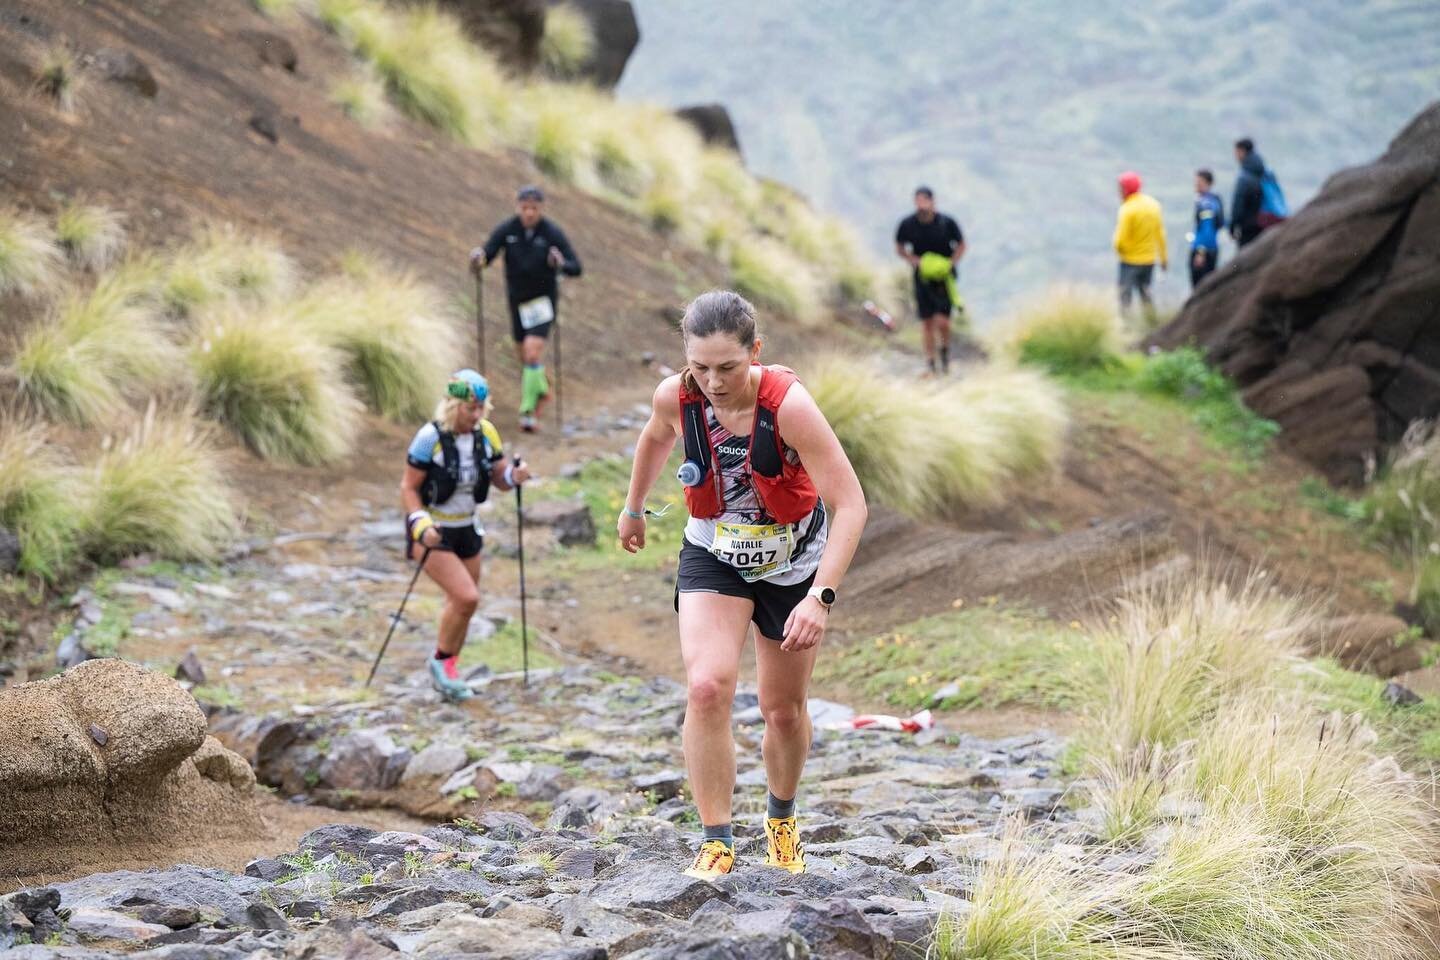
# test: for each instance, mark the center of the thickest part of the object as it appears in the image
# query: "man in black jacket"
(1249, 195)
(535, 248)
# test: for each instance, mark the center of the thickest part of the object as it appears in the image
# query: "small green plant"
(312, 779)
(56, 939)
(1068, 330)
(467, 823)
(507, 790)
(58, 75)
(663, 209)
(414, 863)
(468, 793)
(362, 96)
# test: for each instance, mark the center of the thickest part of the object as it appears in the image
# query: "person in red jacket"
(776, 512)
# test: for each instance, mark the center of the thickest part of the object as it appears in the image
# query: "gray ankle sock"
(724, 832)
(777, 809)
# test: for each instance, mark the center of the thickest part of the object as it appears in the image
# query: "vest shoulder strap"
(766, 447)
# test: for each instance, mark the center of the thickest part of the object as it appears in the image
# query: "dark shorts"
(519, 333)
(931, 298)
(465, 542)
(703, 572)
(1136, 278)
(1206, 267)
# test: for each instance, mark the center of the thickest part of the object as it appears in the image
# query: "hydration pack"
(441, 480)
(1273, 208)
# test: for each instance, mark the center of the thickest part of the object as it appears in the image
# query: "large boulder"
(713, 122)
(510, 29)
(1330, 322)
(108, 755)
(617, 34)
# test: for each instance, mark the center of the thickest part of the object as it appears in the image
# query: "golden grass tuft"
(568, 42)
(30, 260)
(161, 490)
(58, 75)
(92, 235)
(1066, 330)
(41, 500)
(274, 384)
(221, 263)
(962, 444)
(362, 96)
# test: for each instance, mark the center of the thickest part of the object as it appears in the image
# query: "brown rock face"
(1330, 322)
(109, 753)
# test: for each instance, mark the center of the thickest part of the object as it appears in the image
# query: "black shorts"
(931, 298)
(519, 333)
(703, 572)
(465, 542)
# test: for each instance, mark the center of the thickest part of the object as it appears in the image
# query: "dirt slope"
(325, 186)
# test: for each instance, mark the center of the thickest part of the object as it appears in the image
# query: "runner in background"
(932, 243)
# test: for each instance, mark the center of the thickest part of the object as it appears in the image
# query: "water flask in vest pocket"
(690, 473)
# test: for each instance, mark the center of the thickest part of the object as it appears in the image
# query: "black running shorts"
(932, 298)
(465, 542)
(519, 333)
(703, 572)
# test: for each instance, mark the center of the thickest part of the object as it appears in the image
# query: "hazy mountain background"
(1020, 115)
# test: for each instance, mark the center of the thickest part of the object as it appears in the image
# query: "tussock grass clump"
(963, 443)
(221, 263)
(95, 348)
(362, 96)
(396, 337)
(275, 385)
(568, 42)
(93, 236)
(30, 261)
(1177, 650)
(763, 271)
(40, 500)
(58, 75)
(1068, 330)
(430, 68)
(161, 490)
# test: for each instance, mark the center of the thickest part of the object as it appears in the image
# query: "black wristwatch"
(826, 595)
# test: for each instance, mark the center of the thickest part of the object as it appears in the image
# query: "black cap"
(923, 190)
(529, 192)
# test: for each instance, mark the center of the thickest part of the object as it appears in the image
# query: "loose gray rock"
(665, 785)
(123, 67)
(570, 519)
(436, 760)
(363, 760)
(189, 668)
(665, 890)
(9, 551)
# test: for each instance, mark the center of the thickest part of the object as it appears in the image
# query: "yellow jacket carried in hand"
(1140, 231)
(938, 268)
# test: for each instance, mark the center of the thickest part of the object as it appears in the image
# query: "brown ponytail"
(718, 311)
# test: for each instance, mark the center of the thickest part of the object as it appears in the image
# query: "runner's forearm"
(847, 522)
(651, 452)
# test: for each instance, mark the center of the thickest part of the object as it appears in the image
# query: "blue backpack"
(1273, 208)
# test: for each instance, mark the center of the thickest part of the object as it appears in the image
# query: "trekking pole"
(395, 620)
(480, 316)
(559, 381)
(520, 551)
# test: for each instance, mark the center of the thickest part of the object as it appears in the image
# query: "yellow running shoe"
(784, 850)
(715, 859)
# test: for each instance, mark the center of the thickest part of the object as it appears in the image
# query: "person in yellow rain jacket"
(1140, 243)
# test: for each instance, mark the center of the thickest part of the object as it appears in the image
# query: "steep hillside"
(1020, 116)
(202, 148)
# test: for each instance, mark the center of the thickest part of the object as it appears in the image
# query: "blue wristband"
(633, 514)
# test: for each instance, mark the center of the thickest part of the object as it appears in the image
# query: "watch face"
(827, 596)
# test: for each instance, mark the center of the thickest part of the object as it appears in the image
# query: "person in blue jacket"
(1209, 221)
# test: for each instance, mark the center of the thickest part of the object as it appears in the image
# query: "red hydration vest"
(785, 490)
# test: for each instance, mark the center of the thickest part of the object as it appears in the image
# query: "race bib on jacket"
(755, 550)
(536, 313)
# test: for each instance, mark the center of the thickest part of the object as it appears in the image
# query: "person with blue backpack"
(1209, 221)
(1258, 201)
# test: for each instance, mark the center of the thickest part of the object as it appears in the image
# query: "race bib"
(755, 551)
(536, 313)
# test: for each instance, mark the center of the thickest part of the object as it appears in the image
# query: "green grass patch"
(502, 653)
(93, 236)
(1182, 378)
(41, 499)
(1068, 330)
(993, 657)
(1412, 732)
